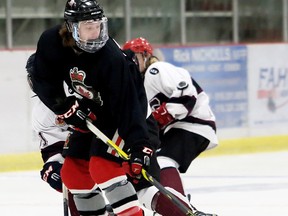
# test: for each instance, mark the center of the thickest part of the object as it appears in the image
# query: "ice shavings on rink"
(255, 184)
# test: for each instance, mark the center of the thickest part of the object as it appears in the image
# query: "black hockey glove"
(51, 174)
(139, 158)
(69, 112)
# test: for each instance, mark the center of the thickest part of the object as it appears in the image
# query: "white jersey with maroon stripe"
(46, 125)
(184, 98)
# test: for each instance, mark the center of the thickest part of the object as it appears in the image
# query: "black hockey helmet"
(79, 10)
(76, 13)
(30, 69)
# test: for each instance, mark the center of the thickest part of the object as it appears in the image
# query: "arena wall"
(247, 84)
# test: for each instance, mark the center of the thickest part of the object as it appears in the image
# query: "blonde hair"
(151, 60)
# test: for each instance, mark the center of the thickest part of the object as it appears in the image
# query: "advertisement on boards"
(268, 75)
(222, 72)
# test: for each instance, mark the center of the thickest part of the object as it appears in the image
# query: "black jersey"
(106, 79)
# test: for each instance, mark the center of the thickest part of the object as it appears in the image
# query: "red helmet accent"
(138, 45)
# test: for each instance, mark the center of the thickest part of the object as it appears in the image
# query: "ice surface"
(255, 184)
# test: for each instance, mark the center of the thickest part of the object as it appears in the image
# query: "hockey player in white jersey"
(52, 135)
(186, 122)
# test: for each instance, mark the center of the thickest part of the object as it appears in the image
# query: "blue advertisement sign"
(222, 72)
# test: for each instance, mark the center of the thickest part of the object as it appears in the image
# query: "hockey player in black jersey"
(81, 53)
(186, 122)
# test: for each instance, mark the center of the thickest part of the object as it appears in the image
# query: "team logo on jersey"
(77, 79)
(154, 71)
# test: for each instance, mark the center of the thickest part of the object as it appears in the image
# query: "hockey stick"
(65, 200)
(145, 174)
